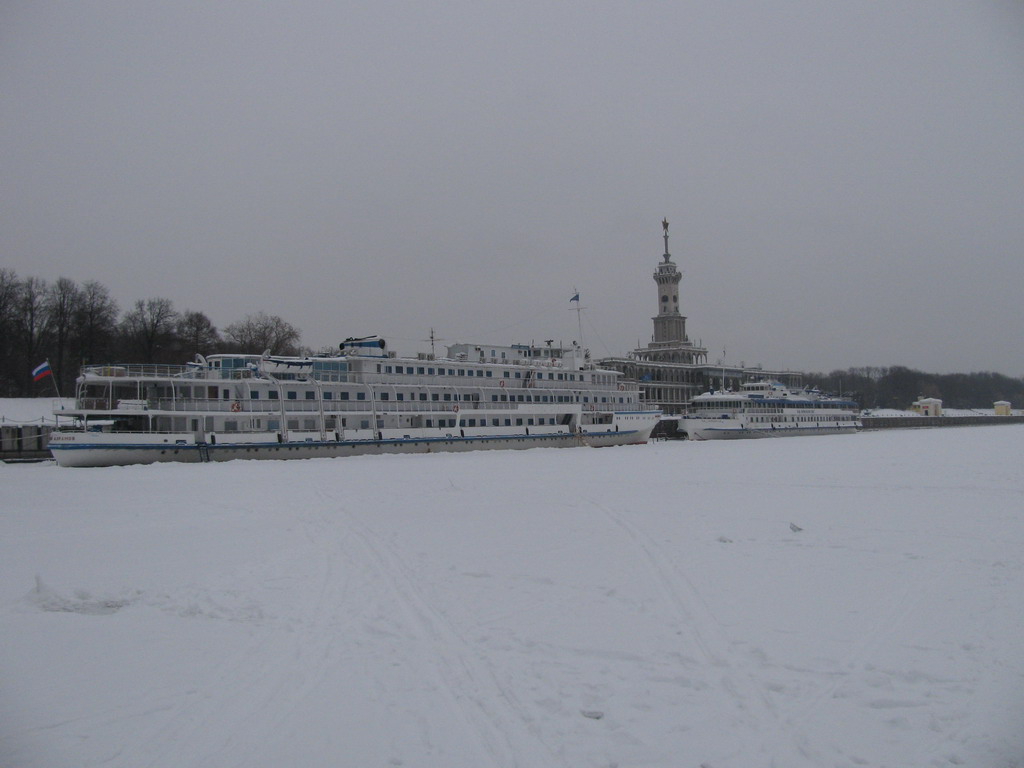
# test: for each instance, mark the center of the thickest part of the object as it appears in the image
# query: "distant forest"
(898, 387)
(73, 324)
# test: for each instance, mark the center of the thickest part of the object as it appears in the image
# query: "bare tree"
(95, 324)
(197, 333)
(10, 288)
(260, 332)
(62, 301)
(148, 331)
(31, 329)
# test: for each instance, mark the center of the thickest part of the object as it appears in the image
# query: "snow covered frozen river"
(831, 601)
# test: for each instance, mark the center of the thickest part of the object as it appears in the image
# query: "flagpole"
(54, 377)
(579, 319)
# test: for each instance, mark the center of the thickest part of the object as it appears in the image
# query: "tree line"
(898, 387)
(71, 325)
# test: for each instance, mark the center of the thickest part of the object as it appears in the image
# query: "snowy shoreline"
(631, 606)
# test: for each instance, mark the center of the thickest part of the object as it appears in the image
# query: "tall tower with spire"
(669, 325)
(671, 370)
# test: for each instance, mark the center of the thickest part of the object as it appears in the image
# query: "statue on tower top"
(664, 225)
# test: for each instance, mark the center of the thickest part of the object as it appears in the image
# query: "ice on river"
(829, 601)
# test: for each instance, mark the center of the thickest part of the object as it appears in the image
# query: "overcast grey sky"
(844, 181)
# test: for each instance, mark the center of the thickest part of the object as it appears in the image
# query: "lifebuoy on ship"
(236, 407)
(622, 387)
(455, 408)
(501, 383)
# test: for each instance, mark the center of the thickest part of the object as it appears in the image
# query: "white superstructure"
(364, 400)
(767, 409)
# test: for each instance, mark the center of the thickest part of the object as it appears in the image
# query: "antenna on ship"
(432, 339)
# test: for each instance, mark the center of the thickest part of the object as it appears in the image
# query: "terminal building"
(672, 370)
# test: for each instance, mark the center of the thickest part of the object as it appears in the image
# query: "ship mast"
(579, 310)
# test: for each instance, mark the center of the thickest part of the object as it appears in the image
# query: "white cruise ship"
(363, 400)
(767, 409)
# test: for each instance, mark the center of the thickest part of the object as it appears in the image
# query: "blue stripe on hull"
(72, 454)
(737, 434)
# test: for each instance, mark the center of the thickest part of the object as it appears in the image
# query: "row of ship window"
(494, 422)
(547, 399)
(485, 373)
(775, 406)
(438, 397)
(310, 424)
(827, 417)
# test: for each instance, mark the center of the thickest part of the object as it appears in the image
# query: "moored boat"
(767, 409)
(364, 400)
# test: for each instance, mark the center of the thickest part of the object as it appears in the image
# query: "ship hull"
(84, 450)
(712, 429)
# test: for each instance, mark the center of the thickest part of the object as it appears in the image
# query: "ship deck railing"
(140, 370)
(168, 371)
(91, 430)
(164, 371)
